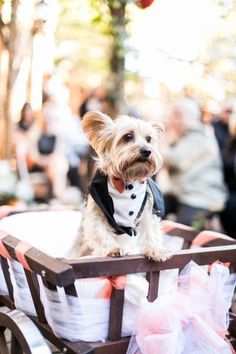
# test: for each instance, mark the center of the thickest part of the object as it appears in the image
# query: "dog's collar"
(120, 185)
(98, 190)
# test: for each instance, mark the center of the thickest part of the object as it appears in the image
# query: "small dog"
(124, 205)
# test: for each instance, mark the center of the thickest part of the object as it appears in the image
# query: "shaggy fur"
(118, 145)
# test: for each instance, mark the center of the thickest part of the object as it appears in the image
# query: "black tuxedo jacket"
(98, 189)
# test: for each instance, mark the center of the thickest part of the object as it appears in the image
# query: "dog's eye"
(128, 137)
(149, 139)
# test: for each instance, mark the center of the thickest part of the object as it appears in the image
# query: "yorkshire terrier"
(124, 205)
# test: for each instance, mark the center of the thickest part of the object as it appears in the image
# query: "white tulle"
(86, 317)
(192, 319)
(21, 293)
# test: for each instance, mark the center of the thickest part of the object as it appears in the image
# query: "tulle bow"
(191, 320)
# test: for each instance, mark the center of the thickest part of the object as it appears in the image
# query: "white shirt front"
(127, 204)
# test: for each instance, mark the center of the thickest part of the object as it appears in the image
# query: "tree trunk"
(7, 119)
(18, 71)
(117, 60)
(2, 48)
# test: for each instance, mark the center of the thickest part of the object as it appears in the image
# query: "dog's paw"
(160, 255)
(116, 252)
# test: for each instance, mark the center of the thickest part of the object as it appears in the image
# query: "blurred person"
(91, 101)
(207, 115)
(77, 152)
(47, 151)
(21, 153)
(104, 99)
(100, 99)
(107, 101)
(21, 137)
(194, 166)
(229, 160)
(221, 123)
(26, 118)
(23, 126)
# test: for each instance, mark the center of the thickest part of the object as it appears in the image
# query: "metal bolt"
(64, 350)
(43, 273)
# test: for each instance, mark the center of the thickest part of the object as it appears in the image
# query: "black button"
(131, 212)
(133, 196)
(130, 186)
(159, 212)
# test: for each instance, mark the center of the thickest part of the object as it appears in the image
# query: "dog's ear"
(98, 129)
(158, 127)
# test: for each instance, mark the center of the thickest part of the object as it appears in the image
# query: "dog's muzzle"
(145, 152)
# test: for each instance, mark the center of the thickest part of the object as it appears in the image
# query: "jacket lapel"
(158, 205)
(98, 190)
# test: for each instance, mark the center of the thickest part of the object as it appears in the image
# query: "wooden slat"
(232, 325)
(6, 301)
(3, 342)
(116, 347)
(35, 293)
(49, 285)
(153, 279)
(186, 233)
(186, 245)
(6, 273)
(15, 346)
(116, 314)
(71, 290)
(219, 242)
(176, 229)
(108, 266)
(79, 347)
(57, 272)
(55, 275)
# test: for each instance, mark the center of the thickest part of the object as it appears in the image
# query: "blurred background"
(167, 60)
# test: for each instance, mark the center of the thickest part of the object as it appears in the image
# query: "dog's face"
(127, 148)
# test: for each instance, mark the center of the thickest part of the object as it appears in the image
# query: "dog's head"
(127, 148)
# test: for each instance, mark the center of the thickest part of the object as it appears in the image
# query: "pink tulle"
(191, 320)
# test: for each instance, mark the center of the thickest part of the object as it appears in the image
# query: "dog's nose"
(145, 152)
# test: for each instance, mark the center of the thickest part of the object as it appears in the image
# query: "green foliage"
(199, 225)
(99, 29)
(220, 56)
(80, 22)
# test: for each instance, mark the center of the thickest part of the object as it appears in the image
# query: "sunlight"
(169, 36)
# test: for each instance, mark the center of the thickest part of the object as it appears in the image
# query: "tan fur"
(119, 158)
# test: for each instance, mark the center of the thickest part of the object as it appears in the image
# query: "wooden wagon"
(28, 332)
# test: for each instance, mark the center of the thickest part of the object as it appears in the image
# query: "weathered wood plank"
(55, 271)
(153, 279)
(116, 314)
(107, 266)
